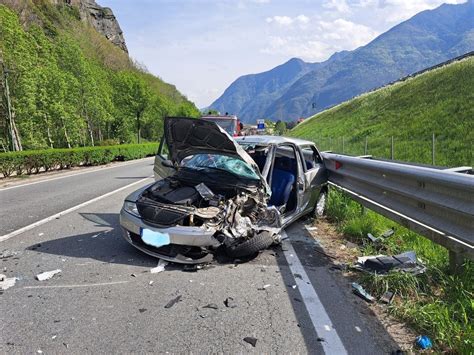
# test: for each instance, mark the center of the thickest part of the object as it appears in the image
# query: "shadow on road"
(106, 246)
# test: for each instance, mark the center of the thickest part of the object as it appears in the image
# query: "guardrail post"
(456, 261)
(366, 141)
(391, 149)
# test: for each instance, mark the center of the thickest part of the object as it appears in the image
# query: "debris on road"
(380, 239)
(150, 283)
(160, 267)
(229, 302)
(133, 275)
(361, 292)
(264, 287)
(387, 297)
(423, 342)
(6, 282)
(173, 302)
(382, 264)
(211, 306)
(350, 245)
(252, 341)
(47, 275)
(141, 310)
(7, 254)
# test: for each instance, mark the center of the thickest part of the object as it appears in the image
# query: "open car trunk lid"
(188, 136)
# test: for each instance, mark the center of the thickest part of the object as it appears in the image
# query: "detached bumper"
(178, 235)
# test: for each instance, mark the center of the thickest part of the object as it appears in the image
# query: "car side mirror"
(168, 164)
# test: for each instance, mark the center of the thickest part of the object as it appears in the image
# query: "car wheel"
(320, 207)
(251, 246)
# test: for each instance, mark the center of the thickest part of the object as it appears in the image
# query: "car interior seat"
(283, 180)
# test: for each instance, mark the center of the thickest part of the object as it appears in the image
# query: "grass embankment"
(438, 101)
(34, 161)
(434, 303)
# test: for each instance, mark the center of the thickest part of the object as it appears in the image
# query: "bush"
(34, 161)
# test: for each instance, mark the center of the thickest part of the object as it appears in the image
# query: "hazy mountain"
(296, 88)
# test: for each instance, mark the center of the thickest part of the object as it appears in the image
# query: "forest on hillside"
(64, 85)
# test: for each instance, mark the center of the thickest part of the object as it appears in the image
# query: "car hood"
(188, 136)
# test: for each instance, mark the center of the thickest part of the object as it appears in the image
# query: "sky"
(202, 46)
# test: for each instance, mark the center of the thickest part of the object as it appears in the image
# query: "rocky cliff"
(101, 18)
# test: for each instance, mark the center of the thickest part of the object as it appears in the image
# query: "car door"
(314, 175)
(160, 171)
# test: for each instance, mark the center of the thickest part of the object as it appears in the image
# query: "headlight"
(131, 208)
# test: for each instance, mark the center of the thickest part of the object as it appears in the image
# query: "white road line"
(69, 210)
(74, 174)
(332, 344)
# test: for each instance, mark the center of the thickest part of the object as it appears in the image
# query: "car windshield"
(220, 162)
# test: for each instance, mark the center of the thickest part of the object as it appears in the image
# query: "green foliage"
(34, 161)
(434, 303)
(438, 101)
(71, 87)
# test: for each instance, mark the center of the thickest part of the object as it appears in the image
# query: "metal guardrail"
(438, 204)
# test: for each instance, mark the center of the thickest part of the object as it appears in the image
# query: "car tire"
(251, 246)
(320, 207)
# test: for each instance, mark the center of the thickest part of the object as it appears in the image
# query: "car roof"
(266, 140)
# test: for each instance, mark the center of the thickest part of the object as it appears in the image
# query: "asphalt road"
(105, 300)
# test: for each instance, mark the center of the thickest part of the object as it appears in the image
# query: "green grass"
(438, 101)
(434, 303)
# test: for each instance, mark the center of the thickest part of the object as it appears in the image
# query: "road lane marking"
(75, 174)
(80, 285)
(69, 210)
(332, 344)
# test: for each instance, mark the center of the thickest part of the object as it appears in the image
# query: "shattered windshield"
(220, 162)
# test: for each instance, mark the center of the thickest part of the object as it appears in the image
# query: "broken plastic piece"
(264, 287)
(423, 342)
(229, 302)
(211, 306)
(361, 292)
(387, 297)
(160, 267)
(47, 275)
(173, 302)
(252, 341)
(406, 262)
(6, 283)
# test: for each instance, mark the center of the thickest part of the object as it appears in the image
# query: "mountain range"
(299, 89)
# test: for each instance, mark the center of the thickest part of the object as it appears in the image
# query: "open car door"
(160, 171)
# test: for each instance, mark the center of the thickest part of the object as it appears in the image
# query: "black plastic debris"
(361, 292)
(211, 306)
(382, 264)
(252, 341)
(173, 302)
(298, 276)
(141, 310)
(230, 303)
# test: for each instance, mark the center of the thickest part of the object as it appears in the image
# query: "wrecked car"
(215, 193)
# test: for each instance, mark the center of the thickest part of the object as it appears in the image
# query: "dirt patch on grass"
(345, 252)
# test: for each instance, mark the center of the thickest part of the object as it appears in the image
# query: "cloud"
(320, 39)
(288, 21)
(337, 5)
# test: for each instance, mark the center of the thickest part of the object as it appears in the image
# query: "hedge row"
(34, 161)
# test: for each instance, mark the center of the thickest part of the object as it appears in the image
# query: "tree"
(280, 128)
